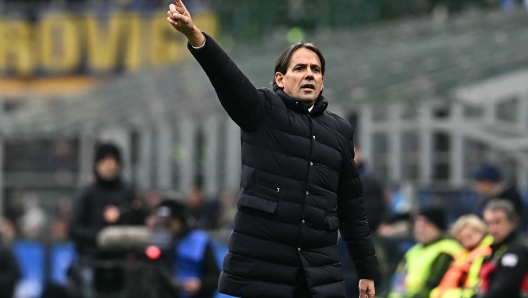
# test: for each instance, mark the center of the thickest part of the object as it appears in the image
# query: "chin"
(307, 99)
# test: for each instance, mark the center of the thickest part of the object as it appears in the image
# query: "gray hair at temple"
(504, 206)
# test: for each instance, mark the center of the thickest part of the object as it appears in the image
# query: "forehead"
(468, 230)
(491, 214)
(422, 219)
(304, 56)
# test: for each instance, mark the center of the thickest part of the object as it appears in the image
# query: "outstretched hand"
(180, 18)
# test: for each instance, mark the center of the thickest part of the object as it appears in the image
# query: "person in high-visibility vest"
(424, 265)
(462, 278)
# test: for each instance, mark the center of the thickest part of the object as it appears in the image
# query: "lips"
(308, 87)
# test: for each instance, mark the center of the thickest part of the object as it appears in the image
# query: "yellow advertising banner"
(62, 44)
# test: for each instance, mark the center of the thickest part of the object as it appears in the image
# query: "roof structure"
(404, 60)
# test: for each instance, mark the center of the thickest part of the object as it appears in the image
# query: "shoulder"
(270, 96)
(340, 124)
(449, 246)
(126, 187)
(516, 253)
(518, 245)
(86, 191)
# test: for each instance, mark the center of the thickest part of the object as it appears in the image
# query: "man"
(489, 184)
(373, 193)
(99, 205)
(425, 264)
(299, 181)
(505, 272)
(195, 269)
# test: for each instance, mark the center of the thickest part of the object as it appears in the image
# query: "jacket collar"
(296, 104)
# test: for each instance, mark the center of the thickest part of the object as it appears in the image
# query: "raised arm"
(241, 100)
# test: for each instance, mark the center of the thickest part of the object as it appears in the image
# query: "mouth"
(308, 87)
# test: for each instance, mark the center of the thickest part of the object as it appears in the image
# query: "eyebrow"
(305, 64)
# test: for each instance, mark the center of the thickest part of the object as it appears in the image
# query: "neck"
(105, 183)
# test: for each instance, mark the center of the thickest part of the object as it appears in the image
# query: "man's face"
(499, 225)
(108, 168)
(303, 79)
(484, 188)
(424, 231)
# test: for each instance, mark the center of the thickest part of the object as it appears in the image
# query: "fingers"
(171, 21)
(179, 3)
(181, 7)
(173, 8)
(176, 19)
(181, 18)
(362, 292)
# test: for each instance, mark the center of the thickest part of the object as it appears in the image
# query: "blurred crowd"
(423, 252)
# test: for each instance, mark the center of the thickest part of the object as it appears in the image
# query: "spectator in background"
(489, 184)
(194, 269)
(9, 270)
(228, 203)
(505, 272)
(33, 222)
(103, 203)
(461, 280)
(151, 203)
(206, 214)
(7, 230)
(425, 264)
(373, 194)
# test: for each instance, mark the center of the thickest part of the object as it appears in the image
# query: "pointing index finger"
(180, 6)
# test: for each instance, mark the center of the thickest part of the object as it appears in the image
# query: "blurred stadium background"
(435, 88)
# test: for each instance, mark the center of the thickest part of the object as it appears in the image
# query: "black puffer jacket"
(299, 185)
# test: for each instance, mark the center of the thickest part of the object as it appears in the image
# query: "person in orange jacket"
(462, 278)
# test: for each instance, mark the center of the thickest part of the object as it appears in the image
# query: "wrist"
(196, 37)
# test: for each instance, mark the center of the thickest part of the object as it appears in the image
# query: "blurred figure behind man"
(462, 278)
(425, 264)
(489, 184)
(505, 272)
(103, 203)
(194, 268)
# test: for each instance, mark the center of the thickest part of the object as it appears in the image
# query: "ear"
(279, 79)
(322, 86)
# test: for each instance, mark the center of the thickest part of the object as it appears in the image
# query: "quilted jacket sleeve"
(352, 218)
(238, 96)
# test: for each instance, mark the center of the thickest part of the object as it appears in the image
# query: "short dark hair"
(283, 62)
(504, 206)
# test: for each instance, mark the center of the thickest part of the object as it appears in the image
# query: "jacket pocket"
(333, 222)
(267, 189)
(258, 204)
